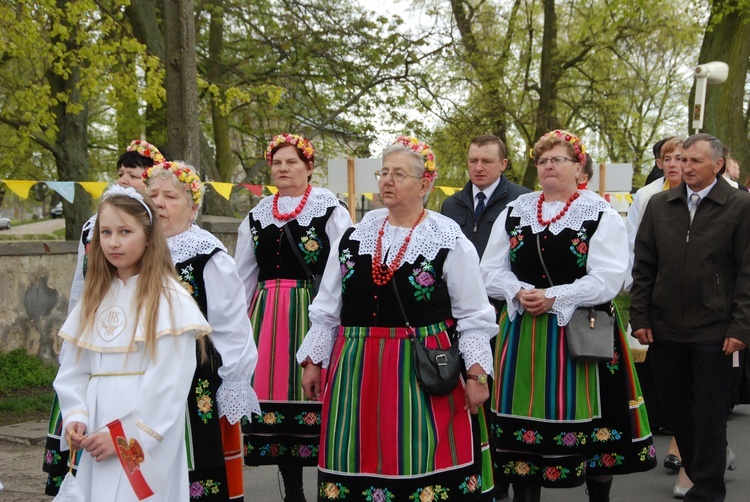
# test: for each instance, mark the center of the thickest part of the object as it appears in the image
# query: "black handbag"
(590, 331)
(437, 370)
(313, 278)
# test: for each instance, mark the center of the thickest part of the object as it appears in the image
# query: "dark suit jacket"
(692, 284)
(460, 208)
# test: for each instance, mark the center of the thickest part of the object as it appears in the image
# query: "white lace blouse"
(469, 303)
(606, 265)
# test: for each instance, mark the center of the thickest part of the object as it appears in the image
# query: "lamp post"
(715, 72)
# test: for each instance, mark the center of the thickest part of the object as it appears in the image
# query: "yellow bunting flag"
(223, 189)
(20, 188)
(369, 195)
(95, 188)
(448, 190)
(629, 197)
(272, 189)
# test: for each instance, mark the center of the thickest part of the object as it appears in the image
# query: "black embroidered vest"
(565, 254)
(274, 254)
(421, 288)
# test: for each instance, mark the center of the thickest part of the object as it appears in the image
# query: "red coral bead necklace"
(382, 273)
(293, 214)
(559, 215)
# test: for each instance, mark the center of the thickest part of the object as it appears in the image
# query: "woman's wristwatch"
(481, 378)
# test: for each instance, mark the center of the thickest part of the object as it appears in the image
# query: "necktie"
(480, 206)
(694, 200)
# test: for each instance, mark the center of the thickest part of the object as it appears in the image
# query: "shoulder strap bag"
(437, 370)
(590, 332)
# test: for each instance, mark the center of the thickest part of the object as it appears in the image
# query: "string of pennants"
(66, 189)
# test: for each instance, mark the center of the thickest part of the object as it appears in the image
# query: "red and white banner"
(138, 467)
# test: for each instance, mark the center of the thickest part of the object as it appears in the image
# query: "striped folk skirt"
(288, 429)
(55, 461)
(555, 419)
(382, 437)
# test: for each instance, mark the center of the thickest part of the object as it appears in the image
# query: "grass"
(25, 387)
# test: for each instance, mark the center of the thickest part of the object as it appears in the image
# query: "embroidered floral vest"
(565, 254)
(275, 257)
(191, 276)
(421, 288)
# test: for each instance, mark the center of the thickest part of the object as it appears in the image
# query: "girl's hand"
(534, 302)
(99, 445)
(75, 431)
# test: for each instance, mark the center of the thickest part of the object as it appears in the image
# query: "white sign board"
(364, 176)
(619, 178)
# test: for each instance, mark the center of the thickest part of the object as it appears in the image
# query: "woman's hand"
(311, 382)
(75, 432)
(476, 393)
(534, 302)
(99, 445)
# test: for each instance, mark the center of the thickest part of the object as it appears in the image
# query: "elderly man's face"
(699, 168)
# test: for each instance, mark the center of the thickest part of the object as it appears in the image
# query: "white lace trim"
(473, 346)
(318, 345)
(237, 400)
(434, 233)
(585, 208)
(318, 202)
(89, 227)
(192, 242)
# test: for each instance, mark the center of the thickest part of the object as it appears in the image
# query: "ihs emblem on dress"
(111, 323)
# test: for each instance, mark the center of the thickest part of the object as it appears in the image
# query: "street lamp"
(714, 72)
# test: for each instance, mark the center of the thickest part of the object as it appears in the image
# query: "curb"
(28, 433)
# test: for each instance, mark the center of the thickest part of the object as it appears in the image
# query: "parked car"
(4, 223)
(56, 211)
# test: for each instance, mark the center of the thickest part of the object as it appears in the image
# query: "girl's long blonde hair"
(155, 269)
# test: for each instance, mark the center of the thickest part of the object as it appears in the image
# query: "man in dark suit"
(691, 302)
(477, 206)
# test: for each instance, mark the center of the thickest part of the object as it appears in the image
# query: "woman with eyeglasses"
(282, 245)
(382, 436)
(558, 422)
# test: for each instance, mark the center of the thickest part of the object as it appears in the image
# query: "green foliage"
(19, 370)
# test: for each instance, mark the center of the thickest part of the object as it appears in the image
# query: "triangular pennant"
(256, 190)
(447, 190)
(66, 189)
(607, 198)
(223, 189)
(272, 189)
(629, 197)
(95, 188)
(369, 195)
(20, 188)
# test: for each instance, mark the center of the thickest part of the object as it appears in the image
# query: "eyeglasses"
(397, 176)
(556, 161)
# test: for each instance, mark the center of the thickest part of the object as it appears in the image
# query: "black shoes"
(672, 462)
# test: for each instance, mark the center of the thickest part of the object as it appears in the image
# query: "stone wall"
(35, 279)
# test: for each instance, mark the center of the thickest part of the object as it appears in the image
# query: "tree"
(726, 39)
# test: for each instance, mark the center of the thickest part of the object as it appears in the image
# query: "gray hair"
(717, 148)
(417, 160)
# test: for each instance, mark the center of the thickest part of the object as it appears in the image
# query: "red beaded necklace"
(382, 273)
(297, 210)
(559, 215)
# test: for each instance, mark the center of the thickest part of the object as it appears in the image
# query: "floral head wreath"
(147, 150)
(300, 142)
(184, 174)
(568, 137)
(128, 192)
(422, 149)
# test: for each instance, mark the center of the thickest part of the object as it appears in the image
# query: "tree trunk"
(727, 40)
(181, 83)
(546, 117)
(71, 141)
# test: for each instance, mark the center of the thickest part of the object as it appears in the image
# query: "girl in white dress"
(123, 391)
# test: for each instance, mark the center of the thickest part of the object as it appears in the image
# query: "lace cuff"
(566, 302)
(475, 348)
(236, 400)
(509, 291)
(318, 345)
